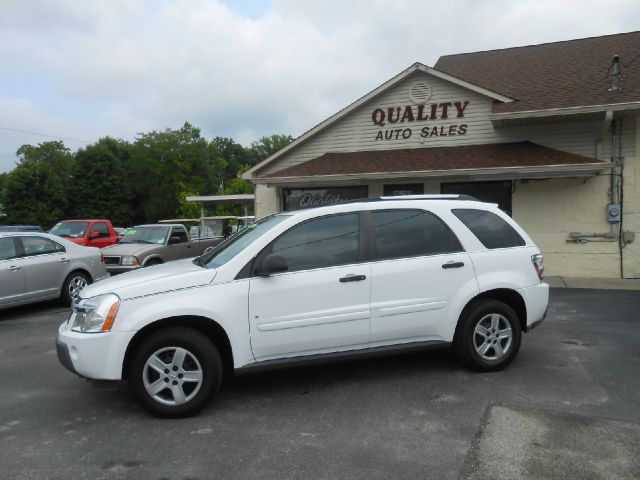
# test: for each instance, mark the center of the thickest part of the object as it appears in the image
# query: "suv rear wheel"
(489, 336)
(174, 372)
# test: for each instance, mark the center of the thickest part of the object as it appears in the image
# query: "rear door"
(419, 271)
(322, 303)
(11, 272)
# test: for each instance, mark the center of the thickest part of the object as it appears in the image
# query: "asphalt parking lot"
(568, 407)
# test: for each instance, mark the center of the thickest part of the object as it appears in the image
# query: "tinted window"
(322, 242)
(101, 228)
(491, 230)
(410, 233)
(7, 248)
(181, 233)
(39, 246)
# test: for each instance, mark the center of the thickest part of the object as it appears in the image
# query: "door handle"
(353, 278)
(13, 268)
(63, 260)
(453, 265)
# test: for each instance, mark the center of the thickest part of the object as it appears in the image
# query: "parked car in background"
(360, 277)
(120, 232)
(147, 245)
(90, 233)
(38, 266)
(21, 228)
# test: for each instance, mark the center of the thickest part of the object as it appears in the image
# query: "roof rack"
(412, 197)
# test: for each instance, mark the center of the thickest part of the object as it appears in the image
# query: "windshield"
(228, 249)
(70, 229)
(155, 235)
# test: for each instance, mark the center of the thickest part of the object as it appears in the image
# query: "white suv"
(360, 277)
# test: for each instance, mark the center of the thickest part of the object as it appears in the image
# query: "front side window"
(489, 228)
(39, 246)
(181, 234)
(410, 233)
(7, 249)
(101, 228)
(321, 242)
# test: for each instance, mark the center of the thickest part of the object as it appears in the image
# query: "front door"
(45, 266)
(418, 270)
(322, 303)
(103, 239)
(11, 272)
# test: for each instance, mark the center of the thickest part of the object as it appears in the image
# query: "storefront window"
(297, 198)
(492, 192)
(394, 190)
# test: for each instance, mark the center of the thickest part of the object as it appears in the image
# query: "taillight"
(538, 264)
(101, 257)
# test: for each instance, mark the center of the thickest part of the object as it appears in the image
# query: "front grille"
(112, 260)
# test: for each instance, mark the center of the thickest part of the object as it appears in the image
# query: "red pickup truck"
(90, 233)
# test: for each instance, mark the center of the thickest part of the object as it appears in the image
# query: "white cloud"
(118, 67)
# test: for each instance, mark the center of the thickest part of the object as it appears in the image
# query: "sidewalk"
(597, 283)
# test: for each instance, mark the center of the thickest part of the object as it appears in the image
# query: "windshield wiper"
(198, 261)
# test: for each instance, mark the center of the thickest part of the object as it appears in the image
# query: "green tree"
(102, 182)
(61, 164)
(34, 194)
(267, 146)
(164, 164)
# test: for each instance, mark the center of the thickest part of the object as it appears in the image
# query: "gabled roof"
(416, 67)
(439, 161)
(558, 75)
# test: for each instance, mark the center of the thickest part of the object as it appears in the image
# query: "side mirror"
(94, 235)
(175, 239)
(273, 263)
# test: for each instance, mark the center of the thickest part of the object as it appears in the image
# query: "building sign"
(397, 123)
(297, 198)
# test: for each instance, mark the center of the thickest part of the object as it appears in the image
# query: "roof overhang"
(497, 173)
(244, 199)
(590, 112)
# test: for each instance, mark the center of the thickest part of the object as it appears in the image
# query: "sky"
(76, 70)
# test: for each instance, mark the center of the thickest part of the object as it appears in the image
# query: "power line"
(37, 134)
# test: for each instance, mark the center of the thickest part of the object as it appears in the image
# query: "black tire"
(152, 262)
(488, 349)
(201, 354)
(72, 285)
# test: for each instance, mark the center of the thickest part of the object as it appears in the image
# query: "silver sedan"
(39, 266)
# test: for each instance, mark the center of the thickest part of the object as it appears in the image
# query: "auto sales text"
(417, 113)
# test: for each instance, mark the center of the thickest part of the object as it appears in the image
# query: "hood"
(135, 249)
(152, 280)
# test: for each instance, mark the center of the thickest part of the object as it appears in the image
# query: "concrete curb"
(595, 283)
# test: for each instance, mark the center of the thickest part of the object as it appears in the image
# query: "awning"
(492, 161)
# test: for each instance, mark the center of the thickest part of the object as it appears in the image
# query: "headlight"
(95, 314)
(130, 261)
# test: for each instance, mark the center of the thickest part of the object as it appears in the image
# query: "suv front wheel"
(174, 372)
(488, 337)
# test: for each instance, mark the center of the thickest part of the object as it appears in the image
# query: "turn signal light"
(538, 264)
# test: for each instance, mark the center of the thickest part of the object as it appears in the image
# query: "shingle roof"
(573, 73)
(520, 154)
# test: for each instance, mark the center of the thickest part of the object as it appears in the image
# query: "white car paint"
(311, 312)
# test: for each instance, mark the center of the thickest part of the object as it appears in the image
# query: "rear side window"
(39, 246)
(321, 242)
(410, 233)
(491, 230)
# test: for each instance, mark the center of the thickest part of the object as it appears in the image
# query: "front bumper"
(97, 356)
(114, 270)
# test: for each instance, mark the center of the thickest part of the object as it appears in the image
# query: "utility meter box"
(615, 212)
